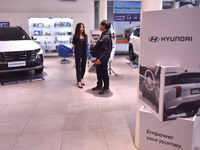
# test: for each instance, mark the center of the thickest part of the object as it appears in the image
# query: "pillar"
(103, 10)
(146, 5)
(149, 5)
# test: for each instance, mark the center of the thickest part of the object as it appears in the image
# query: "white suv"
(182, 93)
(134, 41)
(18, 52)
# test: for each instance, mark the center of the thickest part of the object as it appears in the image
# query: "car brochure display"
(50, 32)
(151, 87)
(181, 93)
(169, 63)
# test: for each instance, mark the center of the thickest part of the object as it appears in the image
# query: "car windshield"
(137, 32)
(12, 33)
(185, 78)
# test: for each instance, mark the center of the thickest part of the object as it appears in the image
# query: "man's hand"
(98, 62)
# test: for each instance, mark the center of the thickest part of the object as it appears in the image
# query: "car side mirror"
(33, 38)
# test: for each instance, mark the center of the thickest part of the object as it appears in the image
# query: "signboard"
(170, 135)
(169, 62)
(126, 16)
(4, 24)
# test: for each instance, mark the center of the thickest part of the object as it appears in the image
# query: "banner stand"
(177, 134)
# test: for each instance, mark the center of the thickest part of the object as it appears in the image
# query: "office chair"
(64, 51)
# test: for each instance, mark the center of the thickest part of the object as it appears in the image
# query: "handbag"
(93, 50)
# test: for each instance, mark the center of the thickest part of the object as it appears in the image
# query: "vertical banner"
(126, 16)
(170, 64)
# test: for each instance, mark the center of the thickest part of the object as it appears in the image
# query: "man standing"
(103, 47)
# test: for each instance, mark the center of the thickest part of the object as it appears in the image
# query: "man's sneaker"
(97, 88)
(104, 91)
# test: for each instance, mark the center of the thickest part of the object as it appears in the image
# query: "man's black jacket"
(104, 47)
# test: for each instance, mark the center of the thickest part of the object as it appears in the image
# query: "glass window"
(190, 78)
(189, 3)
(137, 32)
(171, 80)
(184, 78)
(168, 5)
(96, 14)
(109, 12)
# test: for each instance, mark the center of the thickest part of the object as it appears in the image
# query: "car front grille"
(18, 56)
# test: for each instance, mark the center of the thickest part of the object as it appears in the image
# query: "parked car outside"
(134, 42)
(18, 52)
(182, 93)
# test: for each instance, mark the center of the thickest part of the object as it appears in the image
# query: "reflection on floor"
(24, 80)
(54, 114)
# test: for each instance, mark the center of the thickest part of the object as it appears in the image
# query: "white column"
(146, 5)
(177, 4)
(149, 5)
(103, 10)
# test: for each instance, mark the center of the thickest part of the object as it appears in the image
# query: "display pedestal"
(177, 134)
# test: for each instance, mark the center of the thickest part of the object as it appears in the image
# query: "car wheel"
(191, 113)
(39, 70)
(131, 53)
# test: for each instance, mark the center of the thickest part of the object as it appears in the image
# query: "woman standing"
(80, 49)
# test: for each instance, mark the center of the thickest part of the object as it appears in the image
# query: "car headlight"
(40, 56)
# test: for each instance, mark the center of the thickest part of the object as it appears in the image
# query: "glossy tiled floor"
(55, 115)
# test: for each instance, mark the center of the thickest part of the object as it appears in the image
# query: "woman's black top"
(80, 46)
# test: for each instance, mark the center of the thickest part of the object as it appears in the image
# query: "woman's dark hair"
(77, 31)
(106, 24)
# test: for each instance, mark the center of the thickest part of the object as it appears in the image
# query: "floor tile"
(39, 141)
(45, 123)
(5, 100)
(84, 140)
(18, 109)
(120, 140)
(27, 98)
(50, 109)
(113, 105)
(2, 106)
(117, 120)
(82, 106)
(59, 98)
(82, 121)
(13, 124)
(8, 141)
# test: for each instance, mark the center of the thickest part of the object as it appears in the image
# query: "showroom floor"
(53, 114)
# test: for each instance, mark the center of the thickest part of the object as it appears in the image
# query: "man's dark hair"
(106, 24)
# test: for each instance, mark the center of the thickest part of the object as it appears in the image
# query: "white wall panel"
(21, 19)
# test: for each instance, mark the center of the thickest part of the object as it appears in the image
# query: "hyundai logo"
(153, 39)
